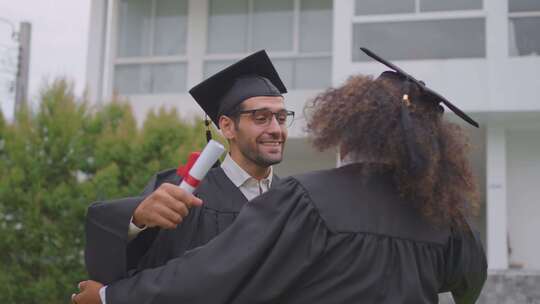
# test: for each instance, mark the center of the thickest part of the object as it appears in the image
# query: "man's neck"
(257, 172)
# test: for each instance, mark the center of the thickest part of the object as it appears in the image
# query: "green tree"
(58, 160)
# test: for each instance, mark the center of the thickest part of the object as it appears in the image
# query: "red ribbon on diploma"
(183, 170)
(192, 181)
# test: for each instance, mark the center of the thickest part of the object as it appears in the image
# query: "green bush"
(53, 164)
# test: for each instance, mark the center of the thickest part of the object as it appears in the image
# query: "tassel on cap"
(208, 132)
(416, 161)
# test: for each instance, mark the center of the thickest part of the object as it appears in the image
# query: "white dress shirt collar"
(248, 185)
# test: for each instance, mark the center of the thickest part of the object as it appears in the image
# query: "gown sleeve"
(108, 253)
(275, 238)
(466, 265)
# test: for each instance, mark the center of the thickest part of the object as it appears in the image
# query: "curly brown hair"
(363, 117)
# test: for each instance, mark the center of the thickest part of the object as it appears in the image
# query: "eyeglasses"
(263, 117)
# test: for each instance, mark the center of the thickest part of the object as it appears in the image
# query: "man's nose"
(274, 126)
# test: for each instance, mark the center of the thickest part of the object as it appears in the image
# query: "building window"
(524, 22)
(151, 46)
(296, 33)
(377, 7)
(419, 29)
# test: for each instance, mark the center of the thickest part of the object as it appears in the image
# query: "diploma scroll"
(208, 157)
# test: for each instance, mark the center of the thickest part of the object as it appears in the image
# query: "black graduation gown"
(108, 254)
(323, 237)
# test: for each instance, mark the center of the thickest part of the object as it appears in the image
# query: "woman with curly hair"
(389, 226)
(427, 159)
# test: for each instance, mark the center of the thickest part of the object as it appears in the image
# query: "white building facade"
(483, 55)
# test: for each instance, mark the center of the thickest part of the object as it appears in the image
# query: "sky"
(58, 45)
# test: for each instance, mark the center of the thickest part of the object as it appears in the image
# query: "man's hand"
(166, 207)
(89, 293)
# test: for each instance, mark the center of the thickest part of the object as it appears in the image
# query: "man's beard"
(260, 159)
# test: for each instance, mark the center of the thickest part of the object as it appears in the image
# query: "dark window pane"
(411, 40)
(296, 73)
(133, 79)
(315, 26)
(375, 7)
(452, 5)
(523, 5)
(170, 28)
(272, 26)
(524, 36)
(134, 23)
(227, 26)
(169, 78)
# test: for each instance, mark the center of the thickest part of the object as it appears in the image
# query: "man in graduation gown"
(245, 101)
(367, 232)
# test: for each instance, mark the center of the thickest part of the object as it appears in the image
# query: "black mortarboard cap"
(432, 95)
(252, 76)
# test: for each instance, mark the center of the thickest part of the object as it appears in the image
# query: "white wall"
(496, 194)
(521, 85)
(96, 49)
(523, 161)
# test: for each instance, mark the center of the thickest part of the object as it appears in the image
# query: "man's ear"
(226, 125)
